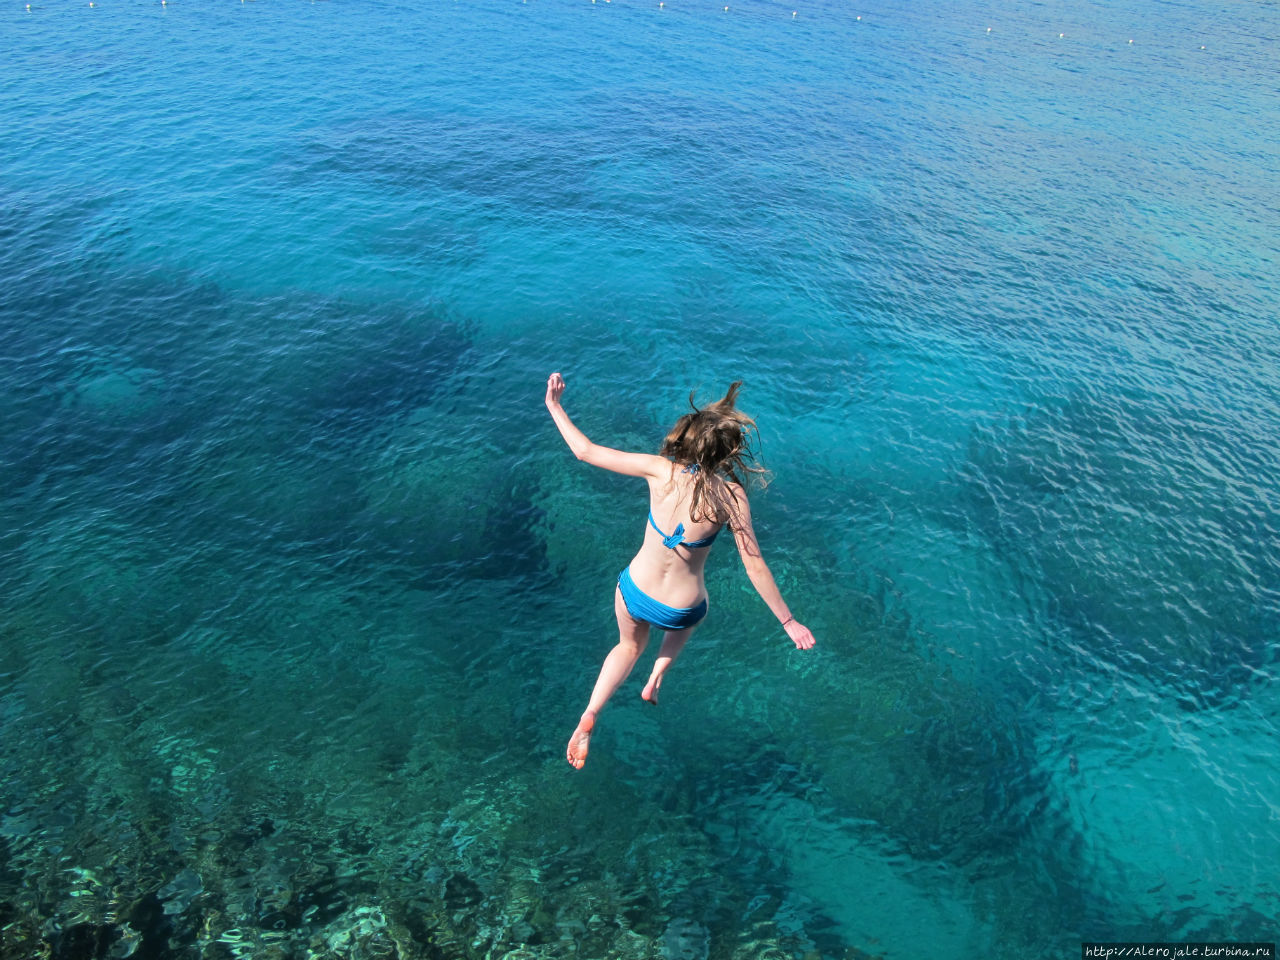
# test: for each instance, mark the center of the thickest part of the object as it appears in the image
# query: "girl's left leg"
(633, 637)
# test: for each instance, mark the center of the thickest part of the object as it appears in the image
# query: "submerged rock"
(685, 940)
(116, 392)
(363, 933)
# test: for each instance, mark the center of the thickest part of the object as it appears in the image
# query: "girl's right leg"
(673, 642)
(633, 637)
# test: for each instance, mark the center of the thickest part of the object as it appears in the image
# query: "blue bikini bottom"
(643, 607)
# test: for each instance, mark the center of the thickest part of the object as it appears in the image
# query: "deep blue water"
(301, 594)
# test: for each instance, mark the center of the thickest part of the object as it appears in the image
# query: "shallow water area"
(301, 594)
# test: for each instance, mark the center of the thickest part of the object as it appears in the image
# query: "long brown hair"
(715, 440)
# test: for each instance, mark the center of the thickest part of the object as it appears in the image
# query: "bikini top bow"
(676, 539)
(673, 540)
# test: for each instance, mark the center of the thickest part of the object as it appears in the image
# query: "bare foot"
(650, 691)
(581, 740)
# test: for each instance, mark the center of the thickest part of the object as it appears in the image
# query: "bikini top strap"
(672, 540)
(676, 539)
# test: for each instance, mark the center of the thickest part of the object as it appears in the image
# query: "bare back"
(674, 575)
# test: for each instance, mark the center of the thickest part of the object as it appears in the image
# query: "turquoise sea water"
(301, 594)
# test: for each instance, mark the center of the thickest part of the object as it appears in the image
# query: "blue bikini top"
(676, 539)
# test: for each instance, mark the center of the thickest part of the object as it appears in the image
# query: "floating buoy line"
(662, 5)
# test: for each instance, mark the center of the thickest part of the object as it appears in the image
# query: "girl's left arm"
(607, 458)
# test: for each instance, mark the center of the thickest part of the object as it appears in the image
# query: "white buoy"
(988, 29)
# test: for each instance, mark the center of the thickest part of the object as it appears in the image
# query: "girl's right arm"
(607, 458)
(758, 571)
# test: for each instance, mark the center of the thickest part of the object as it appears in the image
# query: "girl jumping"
(696, 487)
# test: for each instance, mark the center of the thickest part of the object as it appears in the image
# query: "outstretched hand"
(555, 388)
(800, 635)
